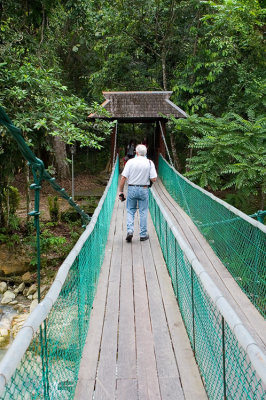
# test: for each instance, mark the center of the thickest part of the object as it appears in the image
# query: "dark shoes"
(129, 237)
(144, 238)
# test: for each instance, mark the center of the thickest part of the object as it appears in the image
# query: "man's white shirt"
(139, 171)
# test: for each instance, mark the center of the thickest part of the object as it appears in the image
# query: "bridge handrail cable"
(231, 208)
(237, 239)
(181, 261)
(21, 343)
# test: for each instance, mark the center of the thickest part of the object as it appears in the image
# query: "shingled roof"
(138, 106)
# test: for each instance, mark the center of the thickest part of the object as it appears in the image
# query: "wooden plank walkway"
(137, 347)
(249, 315)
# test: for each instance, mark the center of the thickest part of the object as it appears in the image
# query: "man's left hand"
(122, 196)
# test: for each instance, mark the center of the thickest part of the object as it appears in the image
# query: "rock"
(3, 287)
(4, 337)
(33, 305)
(42, 290)
(20, 288)
(8, 297)
(32, 289)
(13, 303)
(25, 291)
(20, 307)
(12, 262)
(17, 323)
(30, 297)
(26, 277)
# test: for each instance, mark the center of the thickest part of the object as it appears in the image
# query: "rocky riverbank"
(16, 303)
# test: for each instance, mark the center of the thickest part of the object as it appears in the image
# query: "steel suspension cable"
(115, 145)
(172, 165)
(164, 140)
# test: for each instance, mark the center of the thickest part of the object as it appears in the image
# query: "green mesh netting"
(224, 365)
(57, 368)
(239, 245)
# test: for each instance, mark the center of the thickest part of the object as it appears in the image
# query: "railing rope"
(16, 353)
(253, 375)
(237, 239)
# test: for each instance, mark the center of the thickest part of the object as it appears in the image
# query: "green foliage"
(69, 216)
(223, 66)
(52, 243)
(11, 199)
(228, 152)
(53, 54)
(53, 208)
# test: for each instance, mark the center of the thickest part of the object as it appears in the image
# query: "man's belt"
(139, 185)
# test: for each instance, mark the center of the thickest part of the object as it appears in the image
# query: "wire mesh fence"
(49, 367)
(238, 242)
(227, 370)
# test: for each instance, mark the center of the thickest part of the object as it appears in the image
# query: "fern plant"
(228, 152)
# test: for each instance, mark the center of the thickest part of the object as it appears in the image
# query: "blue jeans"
(137, 195)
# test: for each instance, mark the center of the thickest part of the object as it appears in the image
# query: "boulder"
(26, 277)
(33, 305)
(30, 297)
(42, 290)
(17, 323)
(4, 337)
(13, 303)
(32, 289)
(20, 307)
(3, 287)
(20, 288)
(13, 263)
(8, 297)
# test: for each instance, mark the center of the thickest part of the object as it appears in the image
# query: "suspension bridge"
(180, 316)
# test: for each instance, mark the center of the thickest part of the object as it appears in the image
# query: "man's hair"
(141, 149)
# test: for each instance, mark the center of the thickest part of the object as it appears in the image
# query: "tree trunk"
(177, 163)
(164, 70)
(262, 199)
(27, 188)
(2, 216)
(62, 167)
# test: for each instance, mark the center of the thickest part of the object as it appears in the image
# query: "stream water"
(6, 315)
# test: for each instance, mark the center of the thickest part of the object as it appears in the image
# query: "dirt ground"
(86, 185)
(16, 257)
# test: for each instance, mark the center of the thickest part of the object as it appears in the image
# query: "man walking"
(138, 171)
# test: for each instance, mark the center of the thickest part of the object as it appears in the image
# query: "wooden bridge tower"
(140, 107)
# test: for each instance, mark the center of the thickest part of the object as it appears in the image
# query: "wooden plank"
(218, 272)
(165, 357)
(171, 389)
(189, 374)
(89, 361)
(106, 374)
(126, 360)
(148, 384)
(127, 389)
